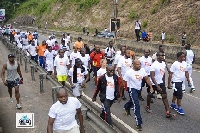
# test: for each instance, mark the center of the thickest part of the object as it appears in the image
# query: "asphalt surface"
(31, 100)
(156, 122)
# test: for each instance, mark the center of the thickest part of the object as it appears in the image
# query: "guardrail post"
(54, 93)
(25, 62)
(32, 72)
(20, 58)
(42, 76)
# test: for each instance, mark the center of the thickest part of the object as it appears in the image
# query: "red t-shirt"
(96, 58)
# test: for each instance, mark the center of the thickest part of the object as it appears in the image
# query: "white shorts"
(75, 129)
(77, 90)
(49, 65)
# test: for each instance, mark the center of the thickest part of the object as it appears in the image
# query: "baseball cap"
(78, 61)
(10, 55)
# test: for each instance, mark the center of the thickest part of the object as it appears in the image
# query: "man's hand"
(83, 84)
(5, 83)
(159, 89)
(93, 99)
(151, 90)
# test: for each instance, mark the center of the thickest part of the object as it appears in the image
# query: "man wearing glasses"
(108, 86)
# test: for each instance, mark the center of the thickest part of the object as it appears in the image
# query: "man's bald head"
(62, 91)
(136, 65)
(62, 95)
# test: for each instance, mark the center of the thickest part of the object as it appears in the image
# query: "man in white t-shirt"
(137, 30)
(48, 59)
(49, 42)
(74, 55)
(85, 58)
(31, 50)
(177, 76)
(62, 114)
(25, 42)
(146, 62)
(108, 86)
(61, 64)
(110, 53)
(76, 77)
(124, 65)
(190, 59)
(134, 78)
(157, 74)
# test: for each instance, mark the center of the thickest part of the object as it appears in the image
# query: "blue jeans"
(133, 93)
(42, 63)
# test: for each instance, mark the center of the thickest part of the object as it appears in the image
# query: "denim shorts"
(12, 84)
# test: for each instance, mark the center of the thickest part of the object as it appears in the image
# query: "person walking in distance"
(146, 62)
(183, 38)
(177, 76)
(163, 37)
(110, 53)
(190, 59)
(62, 114)
(96, 57)
(137, 30)
(134, 77)
(124, 65)
(108, 86)
(12, 79)
(157, 74)
(61, 64)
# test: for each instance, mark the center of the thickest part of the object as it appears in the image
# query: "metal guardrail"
(86, 110)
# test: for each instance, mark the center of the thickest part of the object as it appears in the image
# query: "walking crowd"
(114, 73)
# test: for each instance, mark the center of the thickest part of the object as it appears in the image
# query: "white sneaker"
(159, 96)
(11, 100)
(18, 106)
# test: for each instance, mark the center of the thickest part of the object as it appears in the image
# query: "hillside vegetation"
(172, 16)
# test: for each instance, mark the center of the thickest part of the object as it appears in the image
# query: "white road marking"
(192, 96)
(113, 116)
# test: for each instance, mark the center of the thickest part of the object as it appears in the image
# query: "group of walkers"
(114, 72)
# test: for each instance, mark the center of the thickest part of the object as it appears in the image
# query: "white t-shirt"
(19, 44)
(80, 76)
(163, 36)
(67, 54)
(32, 49)
(49, 42)
(64, 114)
(101, 71)
(154, 57)
(25, 41)
(125, 65)
(146, 63)
(117, 58)
(36, 41)
(61, 65)
(134, 78)
(85, 59)
(178, 70)
(137, 25)
(49, 55)
(110, 88)
(110, 52)
(189, 56)
(53, 41)
(159, 69)
(73, 56)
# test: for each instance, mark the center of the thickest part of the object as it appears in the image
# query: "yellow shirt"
(79, 45)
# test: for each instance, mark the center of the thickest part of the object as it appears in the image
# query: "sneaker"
(127, 112)
(141, 98)
(123, 97)
(173, 106)
(180, 111)
(192, 89)
(169, 115)
(183, 91)
(18, 106)
(148, 109)
(159, 96)
(11, 100)
(139, 127)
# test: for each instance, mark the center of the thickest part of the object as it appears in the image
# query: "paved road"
(31, 100)
(157, 122)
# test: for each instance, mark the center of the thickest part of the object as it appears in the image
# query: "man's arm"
(193, 59)
(18, 70)
(54, 75)
(3, 74)
(152, 74)
(84, 82)
(187, 77)
(50, 125)
(149, 83)
(169, 80)
(97, 89)
(70, 81)
(80, 117)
